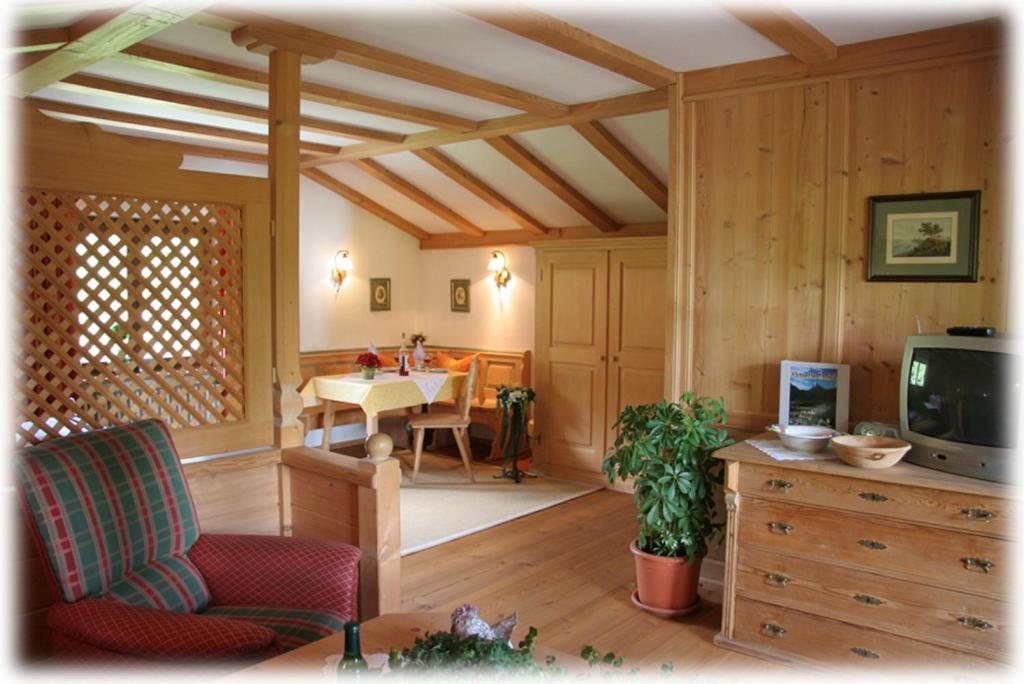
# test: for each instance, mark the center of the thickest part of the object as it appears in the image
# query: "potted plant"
(513, 405)
(667, 449)
(368, 363)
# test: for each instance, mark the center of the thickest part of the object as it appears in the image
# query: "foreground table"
(380, 635)
(385, 392)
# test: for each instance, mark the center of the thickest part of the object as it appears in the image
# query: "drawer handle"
(773, 630)
(974, 623)
(871, 496)
(780, 527)
(975, 564)
(864, 653)
(776, 580)
(780, 484)
(868, 600)
(872, 544)
(978, 514)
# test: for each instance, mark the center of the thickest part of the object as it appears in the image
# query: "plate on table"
(437, 370)
(388, 370)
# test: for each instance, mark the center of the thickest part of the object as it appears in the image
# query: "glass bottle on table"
(352, 662)
(403, 358)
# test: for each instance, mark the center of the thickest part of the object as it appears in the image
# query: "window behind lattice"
(130, 308)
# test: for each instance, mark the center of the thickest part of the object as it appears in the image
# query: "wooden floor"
(568, 571)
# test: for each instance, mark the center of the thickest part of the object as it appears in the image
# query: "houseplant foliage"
(667, 449)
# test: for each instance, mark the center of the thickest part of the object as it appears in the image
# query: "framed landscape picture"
(460, 295)
(924, 237)
(814, 394)
(380, 294)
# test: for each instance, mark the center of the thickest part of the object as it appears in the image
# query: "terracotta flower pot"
(665, 585)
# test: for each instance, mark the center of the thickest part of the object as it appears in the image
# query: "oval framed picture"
(380, 294)
(460, 295)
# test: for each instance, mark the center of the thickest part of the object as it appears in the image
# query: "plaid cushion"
(107, 503)
(294, 627)
(171, 583)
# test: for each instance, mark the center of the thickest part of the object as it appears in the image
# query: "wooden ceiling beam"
(233, 109)
(786, 29)
(625, 161)
(112, 116)
(223, 153)
(556, 34)
(467, 180)
(495, 238)
(543, 174)
(259, 29)
(148, 56)
(364, 202)
(100, 35)
(36, 40)
(404, 187)
(624, 105)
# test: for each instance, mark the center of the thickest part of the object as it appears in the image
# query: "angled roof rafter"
(261, 31)
(601, 139)
(100, 35)
(546, 176)
(361, 200)
(113, 116)
(786, 29)
(148, 56)
(450, 168)
(556, 34)
(226, 107)
(404, 187)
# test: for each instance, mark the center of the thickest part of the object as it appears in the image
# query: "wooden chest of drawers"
(830, 565)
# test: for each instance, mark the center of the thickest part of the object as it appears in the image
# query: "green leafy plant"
(451, 653)
(667, 449)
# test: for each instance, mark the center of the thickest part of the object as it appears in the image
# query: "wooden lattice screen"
(129, 308)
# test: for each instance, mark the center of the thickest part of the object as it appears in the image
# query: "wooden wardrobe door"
(636, 331)
(571, 346)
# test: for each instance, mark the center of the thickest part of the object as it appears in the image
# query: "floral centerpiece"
(368, 363)
(419, 354)
(514, 410)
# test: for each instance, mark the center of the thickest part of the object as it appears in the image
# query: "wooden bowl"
(870, 452)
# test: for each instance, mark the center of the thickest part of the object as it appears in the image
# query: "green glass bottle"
(352, 661)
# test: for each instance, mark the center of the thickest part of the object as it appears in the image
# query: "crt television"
(960, 400)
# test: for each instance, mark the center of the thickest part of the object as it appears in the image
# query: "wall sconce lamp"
(339, 271)
(498, 265)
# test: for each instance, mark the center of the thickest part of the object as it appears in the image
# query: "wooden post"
(678, 319)
(283, 168)
(380, 540)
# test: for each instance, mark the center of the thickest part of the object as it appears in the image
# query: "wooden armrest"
(337, 466)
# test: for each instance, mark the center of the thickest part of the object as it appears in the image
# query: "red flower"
(368, 360)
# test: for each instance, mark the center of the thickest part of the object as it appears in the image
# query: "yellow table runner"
(385, 392)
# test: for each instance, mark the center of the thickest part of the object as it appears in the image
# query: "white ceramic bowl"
(809, 439)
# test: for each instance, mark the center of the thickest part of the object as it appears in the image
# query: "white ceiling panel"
(380, 193)
(493, 168)
(586, 169)
(846, 22)
(446, 191)
(39, 15)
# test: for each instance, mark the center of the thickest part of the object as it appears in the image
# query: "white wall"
(499, 320)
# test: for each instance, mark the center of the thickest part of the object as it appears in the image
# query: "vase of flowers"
(514, 411)
(419, 354)
(368, 363)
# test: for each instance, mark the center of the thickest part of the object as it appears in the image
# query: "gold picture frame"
(380, 294)
(460, 295)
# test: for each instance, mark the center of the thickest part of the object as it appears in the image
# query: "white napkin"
(777, 451)
(429, 383)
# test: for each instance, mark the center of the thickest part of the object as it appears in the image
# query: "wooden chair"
(458, 422)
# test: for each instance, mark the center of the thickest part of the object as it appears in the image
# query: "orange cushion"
(388, 359)
(442, 360)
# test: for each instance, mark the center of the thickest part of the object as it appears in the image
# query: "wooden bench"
(496, 369)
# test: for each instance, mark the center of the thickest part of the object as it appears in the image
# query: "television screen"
(966, 396)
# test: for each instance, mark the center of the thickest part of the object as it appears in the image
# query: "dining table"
(384, 392)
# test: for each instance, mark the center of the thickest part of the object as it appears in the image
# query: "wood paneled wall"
(780, 179)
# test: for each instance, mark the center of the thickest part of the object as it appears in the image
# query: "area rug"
(443, 505)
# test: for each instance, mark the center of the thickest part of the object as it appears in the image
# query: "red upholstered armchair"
(137, 581)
